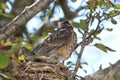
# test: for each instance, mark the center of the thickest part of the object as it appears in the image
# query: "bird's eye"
(66, 23)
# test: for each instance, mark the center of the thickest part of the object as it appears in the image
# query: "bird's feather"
(54, 41)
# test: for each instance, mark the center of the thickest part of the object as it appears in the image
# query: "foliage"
(4, 61)
(2, 7)
(103, 47)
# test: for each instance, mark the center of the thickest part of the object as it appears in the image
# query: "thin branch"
(94, 30)
(81, 51)
(111, 16)
(78, 65)
(53, 9)
(69, 15)
(23, 17)
(78, 44)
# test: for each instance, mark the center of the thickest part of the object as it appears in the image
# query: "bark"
(111, 73)
(23, 17)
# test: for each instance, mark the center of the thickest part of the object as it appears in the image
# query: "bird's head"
(64, 24)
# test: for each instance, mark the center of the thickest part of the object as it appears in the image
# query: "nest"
(41, 69)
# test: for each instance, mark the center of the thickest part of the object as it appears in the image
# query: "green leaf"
(69, 62)
(75, 24)
(117, 6)
(3, 5)
(28, 46)
(1, 11)
(21, 58)
(5, 14)
(109, 29)
(113, 21)
(16, 46)
(100, 2)
(43, 18)
(98, 38)
(73, 0)
(84, 63)
(4, 61)
(107, 5)
(91, 4)
(113, 12)
(109, 49)
(34, 38)
(83, 24)
(103, 47)
(50, 12)
(91, 31)
(44, 33)
(96, 32)
(85, 71)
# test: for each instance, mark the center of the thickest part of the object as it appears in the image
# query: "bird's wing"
(53, 41)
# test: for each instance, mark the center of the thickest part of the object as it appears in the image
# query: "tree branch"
(78, 65)
(111, 73)
(23, 17)
(68, 14)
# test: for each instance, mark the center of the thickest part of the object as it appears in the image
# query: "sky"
(93, 56)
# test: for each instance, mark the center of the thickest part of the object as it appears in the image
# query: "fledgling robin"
(58, 45)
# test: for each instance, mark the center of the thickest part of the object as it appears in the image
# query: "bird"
(58, 45)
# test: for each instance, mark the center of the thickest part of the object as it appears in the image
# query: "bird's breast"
(66, 50)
